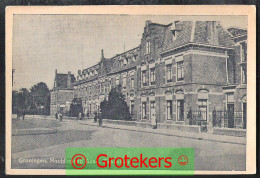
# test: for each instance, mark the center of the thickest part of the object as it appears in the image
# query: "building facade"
(62, 93)
(178, 70)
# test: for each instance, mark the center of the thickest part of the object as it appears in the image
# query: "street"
(209, 155)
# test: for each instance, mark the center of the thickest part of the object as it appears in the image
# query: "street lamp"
(13, 71)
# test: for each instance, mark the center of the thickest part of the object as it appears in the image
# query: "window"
(117, 81)
(143, 110)
(148, 47)
(180, 70)
(173, 35)
(169, 73)
(144, 78)
(152, 76)
(243, 52)
(125, 61)
(152, 109)
(124, 82)
(90, 109)
(102, 87)
(99, 88)
(202, 103)
(132, 107)
(169, 110)
(243, 75)
(133, 58)
(90, 90)
(230, 97)
(121, 62)
(106, 85)
(180, 110)
(132, 83)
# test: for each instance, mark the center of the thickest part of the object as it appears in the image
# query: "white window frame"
(179, 67)
(171, 110)
(148, 47)
(177, 113)
(166, 73)
(152, 82)
(243, 75)
(144, 78)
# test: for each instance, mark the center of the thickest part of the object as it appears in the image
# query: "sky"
(43, 43)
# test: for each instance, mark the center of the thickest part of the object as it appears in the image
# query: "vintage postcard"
(131, 90)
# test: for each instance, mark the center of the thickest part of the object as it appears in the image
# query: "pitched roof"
(196, 32)
(61, 80)
(235, 31)
(116, 64)
(183, 37)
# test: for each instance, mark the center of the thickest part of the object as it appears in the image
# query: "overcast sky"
(43, 43)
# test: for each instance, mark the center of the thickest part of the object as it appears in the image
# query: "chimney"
(102, 54)
(69, 80)
(212, 32)
(147, 23)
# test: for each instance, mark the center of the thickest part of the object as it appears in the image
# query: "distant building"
(184, 66)
(62, 93)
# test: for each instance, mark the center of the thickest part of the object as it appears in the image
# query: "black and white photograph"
(130, 80)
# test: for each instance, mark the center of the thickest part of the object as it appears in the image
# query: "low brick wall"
(187, 128)
(119, 122)
(230, 132)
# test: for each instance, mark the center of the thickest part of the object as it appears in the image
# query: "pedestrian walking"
(95, 117)
(99, 120)
(23, 114)
(154, 120)
(60, 117)
(56, 115)
(79, 116)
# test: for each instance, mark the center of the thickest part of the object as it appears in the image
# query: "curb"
(176, 135)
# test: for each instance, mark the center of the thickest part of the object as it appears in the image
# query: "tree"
(75, 107)
(40, 98)
(22, 99)
(115, 108)
(14, 101)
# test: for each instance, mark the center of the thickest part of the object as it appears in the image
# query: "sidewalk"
(168, 132)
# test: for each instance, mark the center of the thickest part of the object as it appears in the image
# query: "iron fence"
(229, 119)
(198, 117)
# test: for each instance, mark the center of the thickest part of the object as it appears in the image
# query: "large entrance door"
(230, 113)
(244, 115)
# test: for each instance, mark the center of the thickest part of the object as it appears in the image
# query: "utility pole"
(13, 71)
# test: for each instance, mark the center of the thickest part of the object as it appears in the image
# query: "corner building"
(184, 66)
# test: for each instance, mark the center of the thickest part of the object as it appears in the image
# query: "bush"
(115, 108)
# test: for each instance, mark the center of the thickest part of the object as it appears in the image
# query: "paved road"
(208, 155)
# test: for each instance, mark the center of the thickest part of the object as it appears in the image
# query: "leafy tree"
(22, 99)
(115, 108)
(35, 101)
(40, 94)
(75, 107)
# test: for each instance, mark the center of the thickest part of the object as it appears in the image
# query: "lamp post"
(13, 71)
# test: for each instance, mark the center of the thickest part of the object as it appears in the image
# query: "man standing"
(154, 121)
(79, 116)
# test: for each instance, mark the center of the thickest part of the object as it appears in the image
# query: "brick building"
(62, 93)
(180, 67)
